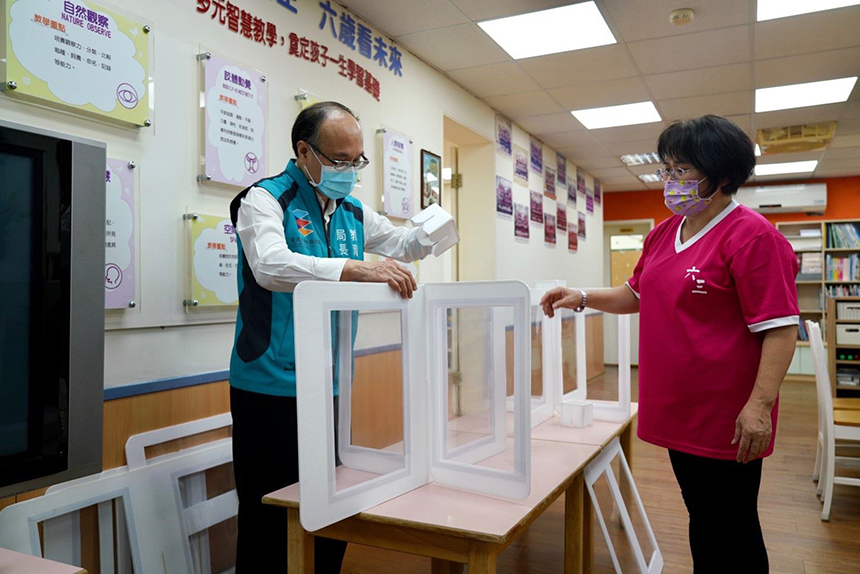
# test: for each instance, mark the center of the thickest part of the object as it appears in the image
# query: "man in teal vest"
(300, 225)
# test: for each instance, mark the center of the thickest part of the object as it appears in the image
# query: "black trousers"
(722, 499)
(266, 458)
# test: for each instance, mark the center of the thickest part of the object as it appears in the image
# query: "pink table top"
(558, 453)
(12, 562)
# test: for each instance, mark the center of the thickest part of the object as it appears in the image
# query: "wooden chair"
(834, 425)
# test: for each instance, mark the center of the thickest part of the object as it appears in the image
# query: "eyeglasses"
(342, 165)
(675, 172)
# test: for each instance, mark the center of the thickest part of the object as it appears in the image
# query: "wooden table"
(455, 527)
(12, 562)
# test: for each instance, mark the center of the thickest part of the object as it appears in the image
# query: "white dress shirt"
(260, 225)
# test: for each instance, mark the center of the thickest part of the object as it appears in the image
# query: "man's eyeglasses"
(675, 172)
(342, 165)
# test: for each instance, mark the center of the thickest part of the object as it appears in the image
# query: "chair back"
(822, 376)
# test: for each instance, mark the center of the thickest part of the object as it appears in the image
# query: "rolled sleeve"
(384, 238)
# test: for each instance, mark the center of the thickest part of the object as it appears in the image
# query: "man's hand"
(560, 297)
(399, 278)
(753, 429)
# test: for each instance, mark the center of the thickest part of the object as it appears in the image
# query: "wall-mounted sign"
(119, 235)
(79, 57)
(397, 174)
(235, 122)
(213, 261)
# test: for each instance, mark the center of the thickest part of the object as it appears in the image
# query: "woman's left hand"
(753, 430)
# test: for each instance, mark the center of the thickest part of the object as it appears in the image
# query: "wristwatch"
(581, 307)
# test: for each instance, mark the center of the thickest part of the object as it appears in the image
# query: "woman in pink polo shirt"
(718, 304)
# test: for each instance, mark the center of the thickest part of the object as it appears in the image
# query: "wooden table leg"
(439, 566)
(300, 545)
(587, 532)
(482, 558)
(626, 440)
(578, 529)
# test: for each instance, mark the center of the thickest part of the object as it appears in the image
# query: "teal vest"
(264, 354)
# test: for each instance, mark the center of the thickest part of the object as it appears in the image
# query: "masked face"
(333, 184)
(682, 197)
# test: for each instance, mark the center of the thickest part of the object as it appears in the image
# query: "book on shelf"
(843, 268)
(843, 236)
(843, 291)
(847, 376)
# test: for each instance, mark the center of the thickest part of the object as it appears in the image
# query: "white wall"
(158, 338)
(534, 260)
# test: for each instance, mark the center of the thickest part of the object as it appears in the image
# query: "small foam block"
(577, 413)
(437, 229)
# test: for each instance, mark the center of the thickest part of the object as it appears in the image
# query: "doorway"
(622, 248)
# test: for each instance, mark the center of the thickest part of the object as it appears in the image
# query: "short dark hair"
(716, 146)
(307, 126)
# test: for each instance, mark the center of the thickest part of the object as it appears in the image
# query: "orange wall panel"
(843, 202)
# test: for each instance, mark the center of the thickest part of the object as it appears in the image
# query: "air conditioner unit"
(796, 198)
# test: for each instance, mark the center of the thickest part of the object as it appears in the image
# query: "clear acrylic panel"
(568, 351)
(368, 364)
(473, 378)
(537, 353)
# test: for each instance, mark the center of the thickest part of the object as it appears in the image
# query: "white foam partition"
(370, 476)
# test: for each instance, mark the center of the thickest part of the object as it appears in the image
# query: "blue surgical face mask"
(333, 184)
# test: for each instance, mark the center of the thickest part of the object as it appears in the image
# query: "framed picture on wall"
(431, 179)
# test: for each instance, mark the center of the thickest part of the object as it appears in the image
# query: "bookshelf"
(821, 242)
(844, 351)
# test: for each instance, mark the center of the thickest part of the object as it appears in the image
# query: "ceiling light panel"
(563, 29)
(803, 95)
(773, 9)
(614, 116)
(787, 167)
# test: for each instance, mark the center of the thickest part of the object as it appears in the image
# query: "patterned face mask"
(682, 197)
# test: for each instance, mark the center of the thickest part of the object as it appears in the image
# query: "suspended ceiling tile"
(625, 179)
(807, 67)
(852, 110)
(609, 172)
(817, 32)
(848, 127)
(632, 186)
(842, 153)
(844, 141)
(574, 153)
(692, 51)
(494, 79)
(550, 123)
(599, 162)
(399, 17)
(648, 145)
(630, 133)
(598, 94)
(525, 104)
(702, 82)
(568, 139)
(797, 116)
(646, 20)
(479, 10)
(455, 47)
(650, 168)
(733, 103)
(848, 163)
(580, 66)
(838, 172)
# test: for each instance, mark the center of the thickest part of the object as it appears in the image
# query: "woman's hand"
(560, 297)
(753, 429)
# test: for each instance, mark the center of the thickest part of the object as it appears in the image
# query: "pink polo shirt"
(704, 306)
